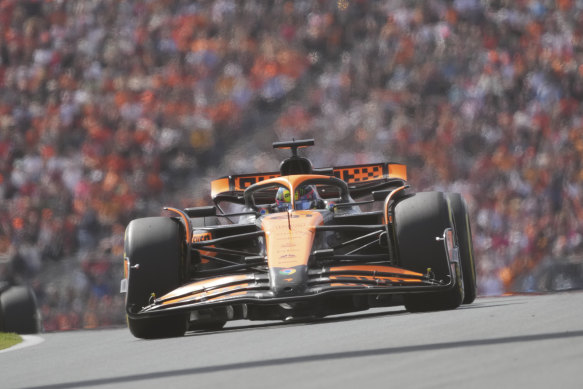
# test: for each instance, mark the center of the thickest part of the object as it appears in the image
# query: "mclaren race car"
(300, 243)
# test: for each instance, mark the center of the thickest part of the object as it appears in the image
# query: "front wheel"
(154, 249)
(418, 220)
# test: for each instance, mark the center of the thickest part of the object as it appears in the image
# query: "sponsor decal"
(244, 182)
(201, 237)
(361, 173)
(287, 272)
(293, 216)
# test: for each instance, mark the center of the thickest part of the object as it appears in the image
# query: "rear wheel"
(154, 247)
(418, 221)
(464, 235)
(18, 311)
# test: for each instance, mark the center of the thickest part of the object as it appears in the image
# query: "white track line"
(27, 340)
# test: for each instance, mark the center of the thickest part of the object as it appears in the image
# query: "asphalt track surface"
(526, 341)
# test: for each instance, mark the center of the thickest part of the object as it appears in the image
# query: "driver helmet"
(304, 198)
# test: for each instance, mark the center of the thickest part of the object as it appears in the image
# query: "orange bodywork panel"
(202, 286)
(373, 268)
(289, 237)
(238, 183)
(377, 274)
(398, 171)
(220, 186)
(381, 280)
(209, 295)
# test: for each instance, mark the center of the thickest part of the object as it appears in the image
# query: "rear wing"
(352, 175)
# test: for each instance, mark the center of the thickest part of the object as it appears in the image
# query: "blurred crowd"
(111, 109)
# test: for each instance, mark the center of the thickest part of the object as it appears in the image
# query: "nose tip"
(289, 282)
(288, 290)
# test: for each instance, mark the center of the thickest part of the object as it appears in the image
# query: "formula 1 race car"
(298, 244)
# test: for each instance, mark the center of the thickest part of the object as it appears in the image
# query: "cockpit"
(296, 192)
(305, 197)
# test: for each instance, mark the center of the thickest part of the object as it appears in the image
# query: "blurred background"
(110, 110)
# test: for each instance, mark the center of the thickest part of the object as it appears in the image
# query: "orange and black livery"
(297, 243)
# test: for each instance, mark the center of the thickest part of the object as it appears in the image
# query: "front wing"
(254, 288)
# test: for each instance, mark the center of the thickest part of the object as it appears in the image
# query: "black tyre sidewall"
(418, 221)
(464, 235)
(19, 311)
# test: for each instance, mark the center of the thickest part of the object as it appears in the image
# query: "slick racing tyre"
(464, 236)
(155, 249)
(19, 311)
(418, 221)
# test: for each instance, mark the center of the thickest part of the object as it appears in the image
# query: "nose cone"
(289, 238)
(288, 281)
